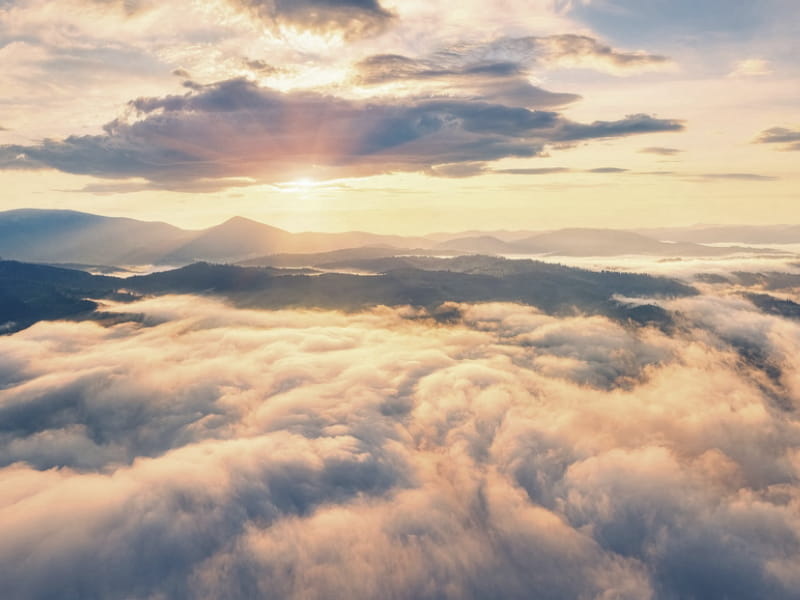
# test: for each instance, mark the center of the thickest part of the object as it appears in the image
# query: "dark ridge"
(34, 292)
(775, 306)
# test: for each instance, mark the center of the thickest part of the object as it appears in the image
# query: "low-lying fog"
(205, 451)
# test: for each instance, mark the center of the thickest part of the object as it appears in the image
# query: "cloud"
(630, 125)
(503, 81)
(583, 51)
(737, 177)
(533, 171)
(355, 18)
(458, 170)
(607, 170)
(557, 170)
(508, 56)
(500, 70)
(195, 186)
(237, 129)
(206, 452)
(780, 135)
(751, 67)
(661, 151)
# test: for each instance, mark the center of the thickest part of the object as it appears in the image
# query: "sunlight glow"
(302, 185)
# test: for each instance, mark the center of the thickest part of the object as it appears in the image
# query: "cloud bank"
(236, 129)
(205, 452)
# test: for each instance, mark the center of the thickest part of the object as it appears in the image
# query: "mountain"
(30, 292)
(323, 259)
(612, 242)
(715, 234)
(239, 239)
(60, 236)
(607, 242)
(484, 244)
(70, 236)
(327, 242)
(591, 242)
(698, 234)
(233, 240)
(500, 234)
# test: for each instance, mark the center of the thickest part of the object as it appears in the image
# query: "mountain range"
(34, 292)
(70, 237)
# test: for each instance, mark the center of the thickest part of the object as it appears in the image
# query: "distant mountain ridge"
(71, 236)
(76, 237)
(34, 292)
(64, 236)
(720, 234)
(590, 242)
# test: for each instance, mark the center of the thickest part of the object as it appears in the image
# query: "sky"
(406, 116)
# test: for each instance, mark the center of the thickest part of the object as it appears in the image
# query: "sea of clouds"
(207, 452)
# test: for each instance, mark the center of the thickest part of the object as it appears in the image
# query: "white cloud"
(216, 452)
(751, 67)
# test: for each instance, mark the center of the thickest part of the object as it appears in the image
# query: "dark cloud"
(500, 71)
(212, 452)
(459, 170)
(355, 18)
(261, 66)
(630, 125)
(607, 170)
(504, 57)
(533, 171)
(382, 68)
(577, 47)
(780, 135)
(661, 151)
(499, 81)
(130, 7)
(236, 129)
(555, 170)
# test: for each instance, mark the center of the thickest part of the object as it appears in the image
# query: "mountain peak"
(244, 224)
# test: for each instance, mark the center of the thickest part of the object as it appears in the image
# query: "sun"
(303, 184)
